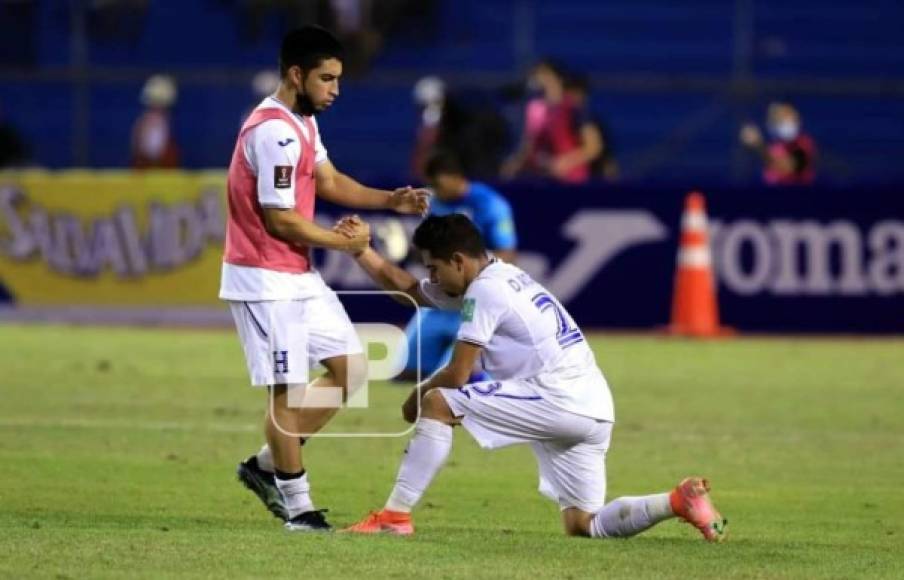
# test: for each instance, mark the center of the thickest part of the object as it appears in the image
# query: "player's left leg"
(425, 455)
(575, 474)
(627, 516)
(328, 338)
(257, 472)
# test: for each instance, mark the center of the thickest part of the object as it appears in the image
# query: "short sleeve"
(483, 308)
(320, 154)
(433, 294)
(273, 151)
(499, 228)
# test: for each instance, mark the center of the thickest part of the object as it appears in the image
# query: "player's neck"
(287, 95)
(478, 267)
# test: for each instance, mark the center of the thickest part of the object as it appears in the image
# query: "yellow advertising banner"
(111, 238)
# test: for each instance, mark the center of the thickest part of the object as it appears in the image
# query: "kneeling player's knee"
(577, 531)
(576, 522)
(434, 406)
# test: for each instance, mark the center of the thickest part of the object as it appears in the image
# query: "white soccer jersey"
(527, 334)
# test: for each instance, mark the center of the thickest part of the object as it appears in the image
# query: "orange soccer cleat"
(384, 522)
(690, 501)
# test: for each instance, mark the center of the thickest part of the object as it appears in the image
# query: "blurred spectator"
(13, 149)
(789, 159)
(153, 143)
(474, 130)
(553, 143)
(466, 124)
(593, 132)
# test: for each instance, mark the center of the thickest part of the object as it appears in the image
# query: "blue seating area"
(686, 133)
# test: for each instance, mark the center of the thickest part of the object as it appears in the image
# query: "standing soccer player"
(548, 391)
(287, 318)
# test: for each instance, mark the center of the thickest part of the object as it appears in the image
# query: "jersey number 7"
(567, 332)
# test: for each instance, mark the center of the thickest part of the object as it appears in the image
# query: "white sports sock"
(265, 459)
(424, 456)
(297, 493)
(627, 516)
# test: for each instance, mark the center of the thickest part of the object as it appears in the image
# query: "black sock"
(284, 476)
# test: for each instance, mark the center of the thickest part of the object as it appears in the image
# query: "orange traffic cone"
(694, 308)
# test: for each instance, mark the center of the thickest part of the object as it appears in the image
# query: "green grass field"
(118, 449)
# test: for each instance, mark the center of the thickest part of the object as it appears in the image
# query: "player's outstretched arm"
(289, 226)
(390, 277)
(336, 187)
(452, 376)
(386, 274)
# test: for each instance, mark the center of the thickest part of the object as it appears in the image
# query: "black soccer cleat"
(312, 521)
(263, 485)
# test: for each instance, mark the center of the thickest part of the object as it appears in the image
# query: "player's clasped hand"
(356, 230)
(410, 200)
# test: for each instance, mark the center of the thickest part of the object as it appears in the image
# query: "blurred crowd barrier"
(786, 260)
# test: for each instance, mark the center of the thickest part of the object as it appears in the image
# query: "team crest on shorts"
(282, 176)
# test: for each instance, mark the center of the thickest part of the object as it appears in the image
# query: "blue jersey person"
(491, 212)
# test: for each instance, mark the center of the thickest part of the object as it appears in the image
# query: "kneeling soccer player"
(548, 391)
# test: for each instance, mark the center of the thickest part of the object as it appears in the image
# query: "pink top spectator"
(552, 130)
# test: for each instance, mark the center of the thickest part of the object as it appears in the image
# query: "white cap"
(265, 83)
(159, 91)
(429, 90)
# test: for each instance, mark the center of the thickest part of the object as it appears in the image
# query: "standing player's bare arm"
(337, 187)
(387, 275)
(290, 227)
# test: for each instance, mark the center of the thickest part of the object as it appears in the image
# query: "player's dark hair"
(442, 162)
(442, 236)
(307, 47)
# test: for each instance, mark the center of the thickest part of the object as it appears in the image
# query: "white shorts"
(283, 340)
(570, 449)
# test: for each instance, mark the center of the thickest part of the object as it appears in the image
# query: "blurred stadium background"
(670, 85)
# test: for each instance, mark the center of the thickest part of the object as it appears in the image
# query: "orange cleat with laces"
(691, 502)
(384, 522)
